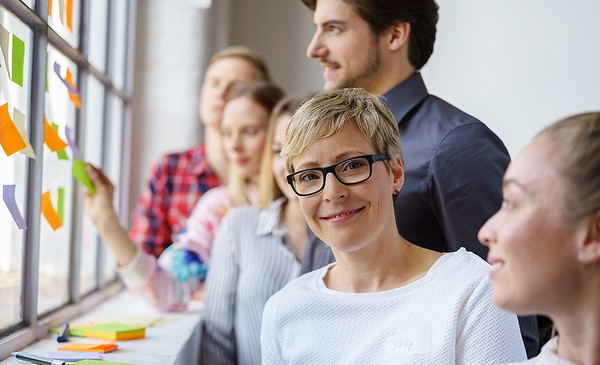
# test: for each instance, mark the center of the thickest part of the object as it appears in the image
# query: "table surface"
(175, 341)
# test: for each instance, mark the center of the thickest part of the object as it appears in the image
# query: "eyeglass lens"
(351, 171)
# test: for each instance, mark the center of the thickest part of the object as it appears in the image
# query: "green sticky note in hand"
(81, 175)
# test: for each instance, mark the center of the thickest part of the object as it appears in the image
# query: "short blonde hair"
(327, 112)
(247, 54)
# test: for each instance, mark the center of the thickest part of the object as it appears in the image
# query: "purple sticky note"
(72, 144)
(8, 194)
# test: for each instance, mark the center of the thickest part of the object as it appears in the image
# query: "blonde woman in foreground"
(385, 300)
(545, 240)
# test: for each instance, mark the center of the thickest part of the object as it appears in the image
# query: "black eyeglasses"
(350, 171)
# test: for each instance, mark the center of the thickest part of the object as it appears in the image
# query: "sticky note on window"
(10, 138)
(18, 56)
(115, 331)
(19, 120)
(8, 194)
(51, 215)
(82, 176)
(51, 138)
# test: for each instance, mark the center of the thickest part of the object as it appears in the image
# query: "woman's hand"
(99, 208)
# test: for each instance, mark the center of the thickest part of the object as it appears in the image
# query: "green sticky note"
(98, 362)
(81, 175)
(60, 207)
(74, 331)
(18, 57)
(62, 154)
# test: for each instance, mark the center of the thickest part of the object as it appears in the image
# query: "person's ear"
(589, 250)
(398, 35)
(397, 171)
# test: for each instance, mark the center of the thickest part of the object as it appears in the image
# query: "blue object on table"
(63, 336)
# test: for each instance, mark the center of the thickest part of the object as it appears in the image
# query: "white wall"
(174, 42)
(517, 65)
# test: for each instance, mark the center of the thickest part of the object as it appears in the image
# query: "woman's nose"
(333, 189)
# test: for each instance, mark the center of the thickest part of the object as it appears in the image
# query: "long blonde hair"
(268, 189)
(265, 94)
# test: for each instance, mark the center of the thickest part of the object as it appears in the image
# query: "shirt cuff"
(139, 270)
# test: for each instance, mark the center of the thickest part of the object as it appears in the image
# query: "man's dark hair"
(422, 15)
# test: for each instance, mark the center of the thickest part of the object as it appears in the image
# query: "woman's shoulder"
(307, 282)
(460, 266)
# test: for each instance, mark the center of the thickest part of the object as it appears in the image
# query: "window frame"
(32, 326)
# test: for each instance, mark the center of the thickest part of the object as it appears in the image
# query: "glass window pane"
(118, 23)
(57, 183)
(29, 3)
(63, 17)
(92, 152)
(98, 32)
(112, 167)
(15, 151)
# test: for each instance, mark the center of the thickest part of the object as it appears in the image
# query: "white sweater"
(446, 317)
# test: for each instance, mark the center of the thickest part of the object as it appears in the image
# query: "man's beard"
(372, 67)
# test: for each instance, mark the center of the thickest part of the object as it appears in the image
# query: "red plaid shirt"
(176, 183)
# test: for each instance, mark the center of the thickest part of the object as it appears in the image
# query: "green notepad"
(114, 331)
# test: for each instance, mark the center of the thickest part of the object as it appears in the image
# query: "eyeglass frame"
(326, 170)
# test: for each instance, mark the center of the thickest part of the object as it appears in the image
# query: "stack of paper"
(114, 331)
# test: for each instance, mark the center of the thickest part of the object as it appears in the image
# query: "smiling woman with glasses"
(384, 300)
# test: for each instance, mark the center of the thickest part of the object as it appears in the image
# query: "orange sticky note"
(90, 347)
(51, 138)
(73, 95)
(10, 138)
(49, 212)
(69, 11)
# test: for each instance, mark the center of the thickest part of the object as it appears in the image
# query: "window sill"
(174, 342)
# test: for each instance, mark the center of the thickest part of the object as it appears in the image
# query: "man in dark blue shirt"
(454, 163)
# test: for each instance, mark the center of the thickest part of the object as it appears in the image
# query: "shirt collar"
(268, 222)
(199, 163)
(406, 95)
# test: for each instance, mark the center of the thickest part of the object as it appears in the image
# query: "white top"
(446, 317)
(548, 355)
